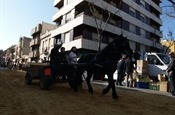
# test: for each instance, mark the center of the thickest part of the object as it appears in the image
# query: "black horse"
(104, 62)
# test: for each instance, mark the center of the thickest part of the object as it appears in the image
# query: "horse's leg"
(110, 85)
(106, 90)
(89, 76)
(77, 80)
(111, 82)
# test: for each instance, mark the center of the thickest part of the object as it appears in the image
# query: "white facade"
(69, 20)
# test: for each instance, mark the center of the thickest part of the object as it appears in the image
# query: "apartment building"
(138, 20)
(22, 49)
(46, 44)
(36, 33)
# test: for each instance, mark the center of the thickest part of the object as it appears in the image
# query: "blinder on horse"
(122, 45)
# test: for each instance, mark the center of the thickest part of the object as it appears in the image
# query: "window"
(132, 11)
(152, 59)
(165, 58)
(67, 37)
(142, 17)
(142, 33)
(113, 2)
(132, 28)
(110, 39)
(68, 17)
(49, 44)
(142, 3)
(112, 21)
(46, 44)
(118, 23)
(42, 46)
(95, 37)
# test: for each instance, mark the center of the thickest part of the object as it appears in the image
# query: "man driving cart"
(55, 62)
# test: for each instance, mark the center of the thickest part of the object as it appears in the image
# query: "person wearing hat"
(171, 72)
(55, 61)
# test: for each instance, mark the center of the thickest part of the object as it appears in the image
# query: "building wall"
(47, 27)
(170, 44)
(47, 43)
(26, 46)
(135, 38)
(34, 53)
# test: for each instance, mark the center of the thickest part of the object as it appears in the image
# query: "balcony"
(157, 32)
(36, 29)
(34, 54)
(32, 42)
(35, 42)
(56, 16)
(83, 43)
(31, 54)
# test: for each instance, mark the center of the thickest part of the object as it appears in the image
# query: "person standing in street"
(129, 67)
(171, 72)
(120, 70)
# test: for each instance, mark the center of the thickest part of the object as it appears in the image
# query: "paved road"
(2, 68)
(137, 89)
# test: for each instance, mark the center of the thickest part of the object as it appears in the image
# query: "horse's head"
(121, 45)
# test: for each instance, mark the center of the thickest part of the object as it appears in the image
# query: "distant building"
(36, 34)
(138, 20)
(46, 44)
(169, 45)
(22, 49)
(2, 60)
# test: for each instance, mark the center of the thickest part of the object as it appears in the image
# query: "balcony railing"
(35, 41)
(32, 42)
(34, 53)
(36, 29)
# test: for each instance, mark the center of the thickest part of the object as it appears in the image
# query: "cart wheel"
(44, 82)
(28, 79)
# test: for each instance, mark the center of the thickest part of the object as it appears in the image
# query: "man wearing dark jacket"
(55, 61)
(120, 71)
(129, 67)
(171, 72)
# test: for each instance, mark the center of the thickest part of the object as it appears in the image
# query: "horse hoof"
(104, 92)
(75, 89)
(115, 97)
(91, 92)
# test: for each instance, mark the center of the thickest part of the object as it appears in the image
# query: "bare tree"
(169, 11)
(169, 42)
(102, 15)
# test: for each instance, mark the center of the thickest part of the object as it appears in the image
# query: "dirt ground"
(17, 98)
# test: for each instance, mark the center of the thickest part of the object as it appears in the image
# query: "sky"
(18, 17)
(168, 23)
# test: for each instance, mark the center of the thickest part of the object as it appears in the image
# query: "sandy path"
(17, 98)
